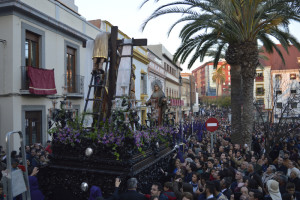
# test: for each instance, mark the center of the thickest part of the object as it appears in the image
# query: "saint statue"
(100, 52)
(100, 56)
(158, 102)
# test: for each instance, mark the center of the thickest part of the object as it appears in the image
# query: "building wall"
(285, 86)
(55, 36)
(266, 84)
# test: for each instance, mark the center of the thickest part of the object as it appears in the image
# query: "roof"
(291, 59)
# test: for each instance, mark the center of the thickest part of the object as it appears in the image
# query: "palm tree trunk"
(248, 107)
(236, 136)
(232, 57)
(249, 53)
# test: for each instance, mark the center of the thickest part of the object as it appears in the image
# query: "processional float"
(115, 144)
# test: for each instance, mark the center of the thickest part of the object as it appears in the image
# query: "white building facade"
(45, 34)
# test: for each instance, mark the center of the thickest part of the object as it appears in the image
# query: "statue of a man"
(158, 101)
(100, 52)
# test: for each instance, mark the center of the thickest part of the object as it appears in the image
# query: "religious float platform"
(96, 164)
(121, 147)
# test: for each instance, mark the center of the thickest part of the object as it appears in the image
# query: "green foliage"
(220, 101)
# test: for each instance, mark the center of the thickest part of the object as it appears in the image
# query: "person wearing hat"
(273, 190)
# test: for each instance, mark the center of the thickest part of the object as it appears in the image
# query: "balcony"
(24, 79)
(259, 79)
(74, 85)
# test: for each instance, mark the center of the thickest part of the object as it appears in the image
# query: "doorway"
(33, 127)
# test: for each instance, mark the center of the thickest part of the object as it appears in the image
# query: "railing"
(176, 102)
(74, 84)
(24, 78)
(259, 78)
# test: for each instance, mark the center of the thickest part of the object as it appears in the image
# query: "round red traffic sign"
(212, 124)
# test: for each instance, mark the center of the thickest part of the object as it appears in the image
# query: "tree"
(281, 118)
(219, 78)
(236, 26)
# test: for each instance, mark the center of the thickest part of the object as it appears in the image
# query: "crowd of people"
(36, 156)
(199, 171)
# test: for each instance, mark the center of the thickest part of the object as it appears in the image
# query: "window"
(293, 91)
(279, 105)
(260, 90)
(292, 76)
(294, 105)
(260, 103)
(259, 76)
(278, 77)
(33, 127)
(71, 69)
(278, 92)
(32, 49)
(143, 84)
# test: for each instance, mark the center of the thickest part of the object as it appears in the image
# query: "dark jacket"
(130, 195)
(227, 193)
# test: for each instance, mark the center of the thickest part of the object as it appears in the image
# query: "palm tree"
(259, 21)
(219, 78)
(216, 18)
(213, 24)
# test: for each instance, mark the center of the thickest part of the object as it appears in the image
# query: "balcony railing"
(259, 79)
(24, 78)
(74, 84)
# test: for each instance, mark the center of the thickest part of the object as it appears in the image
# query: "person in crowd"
(280, 166)
(238, 178)
(95, 193)
(190, 168)
(217, 192)
(291, 166)
(294, 179)
(157, 190)
(269, 174)
(48, 147)
(273, 189)
(291, 189)
(131, 192)
(168, 191)
(225, 187)
(210, 191)
(194, 182)
(187, 196)
(35, 192)
(255, 195)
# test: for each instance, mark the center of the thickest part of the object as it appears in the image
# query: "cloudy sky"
(129, 17)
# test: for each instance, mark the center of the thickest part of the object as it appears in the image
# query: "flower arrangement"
(112, 135)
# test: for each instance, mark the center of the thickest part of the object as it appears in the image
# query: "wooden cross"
(113, 69)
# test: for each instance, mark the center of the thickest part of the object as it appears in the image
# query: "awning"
(41, 81)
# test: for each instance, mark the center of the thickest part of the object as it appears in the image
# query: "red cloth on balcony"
(41, 81)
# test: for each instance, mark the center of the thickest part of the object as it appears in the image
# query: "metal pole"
(191, 105)
(180, 107)
(8, 163)
(211, 141)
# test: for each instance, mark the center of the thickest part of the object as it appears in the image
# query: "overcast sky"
(129, 17)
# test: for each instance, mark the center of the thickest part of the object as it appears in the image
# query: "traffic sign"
(212, 124)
